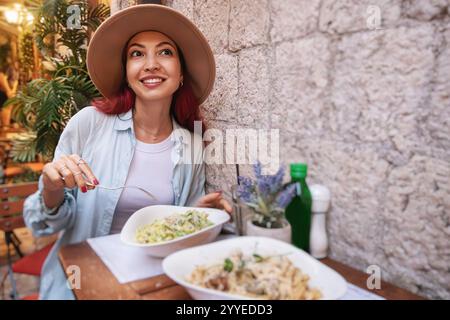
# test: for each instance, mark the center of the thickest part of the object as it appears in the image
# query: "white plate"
(149, 214)
(180, 264)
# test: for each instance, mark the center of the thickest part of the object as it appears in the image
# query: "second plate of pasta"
(253, 268)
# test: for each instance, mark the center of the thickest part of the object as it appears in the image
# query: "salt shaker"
(318, 243)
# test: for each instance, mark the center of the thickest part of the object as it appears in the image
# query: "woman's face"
(153, 66)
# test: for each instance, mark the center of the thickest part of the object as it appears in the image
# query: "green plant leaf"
(228, 265)
(24, 147)
(258, 258)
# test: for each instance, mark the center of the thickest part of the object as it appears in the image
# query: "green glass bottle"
(298, 212)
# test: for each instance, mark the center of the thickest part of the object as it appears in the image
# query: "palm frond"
(53, 7)
(97, 15)
(24, 147)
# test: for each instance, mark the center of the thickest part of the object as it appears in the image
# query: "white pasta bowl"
(149, 214)
(182, 263)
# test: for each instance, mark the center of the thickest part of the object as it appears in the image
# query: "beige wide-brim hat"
(104, 56)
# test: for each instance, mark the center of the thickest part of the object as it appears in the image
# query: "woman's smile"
(152, 82)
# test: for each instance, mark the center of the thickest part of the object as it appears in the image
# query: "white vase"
(283, 234)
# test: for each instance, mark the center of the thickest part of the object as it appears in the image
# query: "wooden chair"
(12, 198)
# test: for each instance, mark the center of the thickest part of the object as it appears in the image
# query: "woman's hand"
(70, 172)
(214, 200)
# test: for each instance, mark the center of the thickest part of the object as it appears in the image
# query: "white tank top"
(151, 168)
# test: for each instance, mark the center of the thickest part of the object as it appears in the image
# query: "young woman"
(154, 68)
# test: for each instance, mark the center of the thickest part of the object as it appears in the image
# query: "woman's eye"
(135, 53)
(166, 52)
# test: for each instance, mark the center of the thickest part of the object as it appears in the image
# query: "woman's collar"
(124, 121)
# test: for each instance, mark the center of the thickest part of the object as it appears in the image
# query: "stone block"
(249, 24)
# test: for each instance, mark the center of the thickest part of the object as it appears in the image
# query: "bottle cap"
(299, 170)
(321, 198)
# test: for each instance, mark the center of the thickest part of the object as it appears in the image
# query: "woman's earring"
(181, 83)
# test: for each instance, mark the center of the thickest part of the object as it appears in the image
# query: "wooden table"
(97, 282)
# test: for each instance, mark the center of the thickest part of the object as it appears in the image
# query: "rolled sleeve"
(42, 224)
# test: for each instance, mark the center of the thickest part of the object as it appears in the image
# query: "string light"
(18, 15)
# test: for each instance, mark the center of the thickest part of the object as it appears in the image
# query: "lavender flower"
(264, 186)
(268, 184)
(258, 169)
(245, 190)
(277, 180)
(266, 195)
(286, 196)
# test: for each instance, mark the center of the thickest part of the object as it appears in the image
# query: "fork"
(115, 188)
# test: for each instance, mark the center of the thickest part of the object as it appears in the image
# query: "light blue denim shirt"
(106, 143)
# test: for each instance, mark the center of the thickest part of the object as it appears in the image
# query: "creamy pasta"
(272, 277)
(174, 226)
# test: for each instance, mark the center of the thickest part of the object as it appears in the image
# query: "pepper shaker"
(318, 243)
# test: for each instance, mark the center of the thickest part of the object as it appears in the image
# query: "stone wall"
(360, 90)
